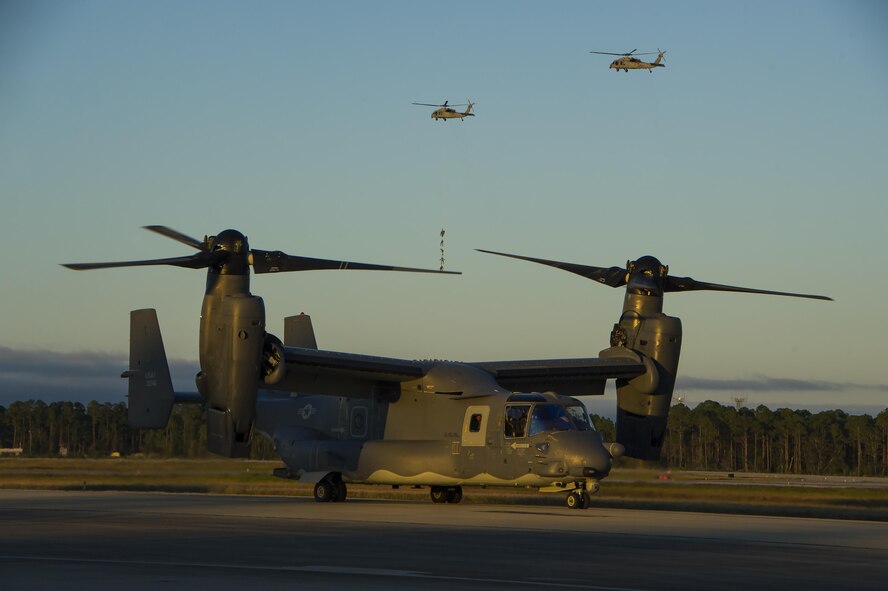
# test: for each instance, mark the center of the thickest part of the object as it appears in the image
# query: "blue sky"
(757, 157)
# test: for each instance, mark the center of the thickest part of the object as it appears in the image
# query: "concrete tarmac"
(115, 540)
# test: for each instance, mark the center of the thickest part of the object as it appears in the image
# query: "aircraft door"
(474, 441)
(474, 431)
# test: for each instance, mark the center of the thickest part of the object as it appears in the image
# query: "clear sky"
(757, 157)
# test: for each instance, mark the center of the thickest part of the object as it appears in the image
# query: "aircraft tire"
(576, 500)
(324, 491)
(439, 494)
(340, 491)
(454, 495)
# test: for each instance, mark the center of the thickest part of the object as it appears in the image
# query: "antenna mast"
(442, 249)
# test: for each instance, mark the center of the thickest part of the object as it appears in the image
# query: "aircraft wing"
(572, 377)
(313, 371)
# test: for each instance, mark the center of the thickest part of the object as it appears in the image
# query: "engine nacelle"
(232, 342)
(643, 403)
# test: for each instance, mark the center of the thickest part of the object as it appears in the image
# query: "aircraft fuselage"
(436, 438)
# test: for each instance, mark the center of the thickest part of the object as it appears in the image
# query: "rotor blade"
(196, 261)
(427, 105)
(607, 53)
(177, 236)
(688, 284)
(612, 276)
(275, 261)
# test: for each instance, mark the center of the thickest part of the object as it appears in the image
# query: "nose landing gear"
(581, 496)
(578, 500)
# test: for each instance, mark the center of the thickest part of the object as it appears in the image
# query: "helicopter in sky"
(629, 61)
(337, 418)
(447, 111)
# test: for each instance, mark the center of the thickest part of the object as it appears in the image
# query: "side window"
(515, 424)
(474, 429)
(359, 421)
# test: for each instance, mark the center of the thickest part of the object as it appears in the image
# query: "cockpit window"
(549, 417)
(516, 420)
(580, 418)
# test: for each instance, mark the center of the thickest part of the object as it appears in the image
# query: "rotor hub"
(236, 247)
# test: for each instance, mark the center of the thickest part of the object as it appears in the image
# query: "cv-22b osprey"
(337, 418)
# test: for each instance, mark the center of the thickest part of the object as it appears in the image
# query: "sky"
(757, 157)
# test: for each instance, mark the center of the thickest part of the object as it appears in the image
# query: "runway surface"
(114, 540)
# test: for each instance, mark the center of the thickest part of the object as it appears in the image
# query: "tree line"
(100, 429)
(710, 436)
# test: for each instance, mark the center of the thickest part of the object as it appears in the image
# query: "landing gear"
(446, 494)
(330, 488)
(323, 491)
(341, 492)
(439, 494)
(454, 495)
(581, 496)
(578, 500)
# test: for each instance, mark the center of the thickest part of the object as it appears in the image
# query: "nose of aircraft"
(583, 453)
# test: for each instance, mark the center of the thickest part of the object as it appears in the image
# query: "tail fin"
(659, 58)
(151, 394)
(468, 110)
(298, 332)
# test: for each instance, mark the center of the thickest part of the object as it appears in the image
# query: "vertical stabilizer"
(298, 332)
(151, 394)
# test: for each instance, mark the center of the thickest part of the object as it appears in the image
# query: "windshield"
(580, 418)
(549, 417)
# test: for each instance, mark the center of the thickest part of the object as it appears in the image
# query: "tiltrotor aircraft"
(338, 418)
(629, 61)
(446, 111)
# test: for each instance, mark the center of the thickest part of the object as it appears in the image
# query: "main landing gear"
(446, 494)
(330, 488)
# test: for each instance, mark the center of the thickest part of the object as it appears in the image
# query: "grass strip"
(625, 490)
